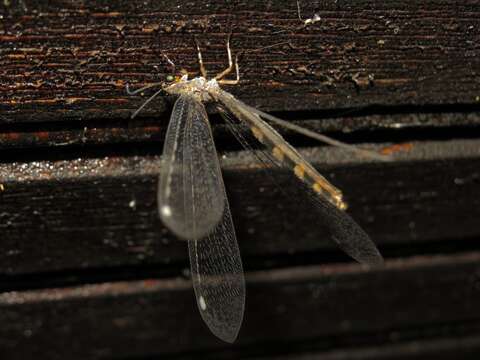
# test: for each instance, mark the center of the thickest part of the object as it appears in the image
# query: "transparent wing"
(343, 229)
(191, 199)
(218, 279)
(320, 137)
(193, 204)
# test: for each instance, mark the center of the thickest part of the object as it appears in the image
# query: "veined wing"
(325, 197)
(320, 137)
(191, 196)
(218, 279)
(193, 204)
(283, 152)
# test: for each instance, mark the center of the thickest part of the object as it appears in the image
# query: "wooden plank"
(319, 305)
(62, 61)
(93, 213)
(365, 124)
(446, 348)
(88, 271)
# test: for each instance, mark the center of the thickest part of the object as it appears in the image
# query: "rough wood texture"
(88, 271)
(115, 200)
(64, 60)
(333, 303)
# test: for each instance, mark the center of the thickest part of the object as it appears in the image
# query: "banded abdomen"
(282, 151)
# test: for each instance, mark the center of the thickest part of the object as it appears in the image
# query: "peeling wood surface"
(70, 60)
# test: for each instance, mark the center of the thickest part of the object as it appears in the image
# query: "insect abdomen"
(302, 169)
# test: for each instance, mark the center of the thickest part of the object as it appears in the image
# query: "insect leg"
(145, 103)
(135, 92)
(170, 62)
(231, 66)
(203, 71)
(237, 78)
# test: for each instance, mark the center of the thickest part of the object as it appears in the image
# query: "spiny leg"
(203, 71)
(220, 76)
(237, 72)
(231, 65)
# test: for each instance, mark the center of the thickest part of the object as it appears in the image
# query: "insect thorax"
(199, 87)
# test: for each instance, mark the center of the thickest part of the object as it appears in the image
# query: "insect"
(192, 201)
(308, 21)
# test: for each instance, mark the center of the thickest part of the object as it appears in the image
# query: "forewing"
(218, 279)
(191, 199)
(350, 237)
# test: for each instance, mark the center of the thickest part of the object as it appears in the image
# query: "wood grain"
(94, 213)
(70, 60)
(87, 271)
(286, 309)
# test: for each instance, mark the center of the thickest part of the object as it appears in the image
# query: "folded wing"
(191, 199)
(326, 199)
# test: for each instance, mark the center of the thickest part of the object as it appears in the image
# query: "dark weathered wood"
(88, 271)
(102, 212)
(397, 124)
(302, 307)
(71, 60)
(467, 347)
